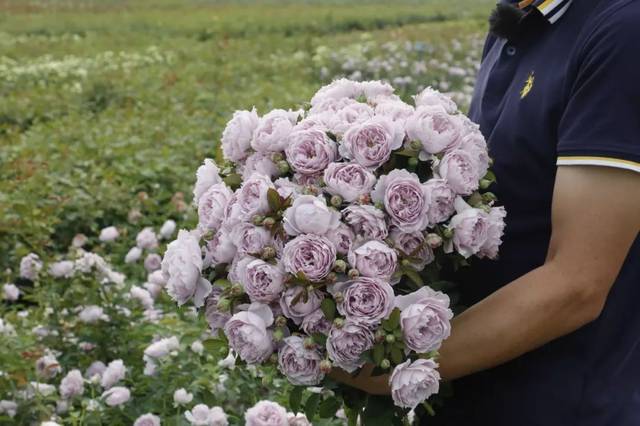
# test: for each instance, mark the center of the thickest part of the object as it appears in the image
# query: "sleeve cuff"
(598, 161)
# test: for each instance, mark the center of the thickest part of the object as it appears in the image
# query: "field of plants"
(107, 109)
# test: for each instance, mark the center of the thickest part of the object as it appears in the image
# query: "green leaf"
(223, 283)
(378, 353)
(414, 276)
(275, 202)
(394, 319)
(320, 339)
(396, 355)
(311, 406)
(328, 408)
(295, 398)
(214, 345)
(328, 307)
(233, 181)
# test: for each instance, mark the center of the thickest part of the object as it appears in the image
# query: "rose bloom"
(214, 317)
(346, 344)
(114, 372)
(413, 247)
(182, 397)
(167, 229)
(316, 322)
(72, 385)
(147, 239)
(48, 366)
(338, 89)
(95, 370)
(342, 238)
(312, 255)
(30, 266)
(109, 234)
(425, 319)
(413, 383)
(212, 205)
(310, 151)
(162, 347)
(238, 133)
(366, 221)
(258, 163)
(266, 413)
(475, 144)
(374, 259)
(147, 420)
(371, 143)
(301, 366)
(250, 239)
(62, 269)
(310, 215)
(115, 396)
(263, 282)
(298, 420)
(133, 255)
(10, 292)
(299, 310)
(10, 408)
(460, 170)
(437, 130)
(286, 188)
(220, 249)
(441, 201)
(366, 300)
(470, 230)
(248, 335)
(405, 199)
(152, 262)
(377, 90)
(395, 110)
(431, 97)
(350, 115)
(495, 230)
(201, 415)
(206, 176)
(91, 314)
(182, 266)
(348, 180)
(252, 196)
(273, 130)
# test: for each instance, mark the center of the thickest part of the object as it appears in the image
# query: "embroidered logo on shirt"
(528, 85)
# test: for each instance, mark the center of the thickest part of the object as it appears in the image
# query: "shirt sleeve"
(601, 122)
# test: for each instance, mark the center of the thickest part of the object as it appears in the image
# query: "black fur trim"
(504, 21)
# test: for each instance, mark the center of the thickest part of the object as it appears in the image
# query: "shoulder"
(615, 20)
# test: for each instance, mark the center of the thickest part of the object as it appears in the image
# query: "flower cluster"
(316, 235)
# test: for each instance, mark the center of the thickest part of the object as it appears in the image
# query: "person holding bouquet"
(552, 332)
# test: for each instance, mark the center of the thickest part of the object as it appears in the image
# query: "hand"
(373, 385)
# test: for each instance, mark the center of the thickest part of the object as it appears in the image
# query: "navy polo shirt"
(565, 91)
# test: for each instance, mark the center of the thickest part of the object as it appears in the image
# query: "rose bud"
(339, 297)
(415, 146)
(484, 183)
(380, 335)
(268, 222)
(385, 364)
(283, 166)
(336, 201)
(434, 240)
(340, 266)
(332, 277)
(273, 358)
(268, 253)
(489, 197)
(364, 199)
(338, 322)
(257, 220)
(325, 366)
(309, 344)
(447, 233)
(278, 335)
(276, 157)
(353, 273)
(281, 321)
(223, 305)
(237, 290)
(390, 338)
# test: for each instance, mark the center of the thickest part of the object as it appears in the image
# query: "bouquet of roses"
(321, 236)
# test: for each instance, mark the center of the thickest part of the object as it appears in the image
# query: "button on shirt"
(564, 92)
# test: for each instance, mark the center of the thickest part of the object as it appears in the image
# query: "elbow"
(588, 296)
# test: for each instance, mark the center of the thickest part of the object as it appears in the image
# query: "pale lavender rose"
(312, 255)
(152, 262)
(212, 314)
(298, 420)
(108, 234)
(348, 180)
(48, 366)
(92, 314)
(266, 413)
(162, 347)
(263, 282)
(374, 259)
(95, 370)
(72, 385)
(141, 295)
(220, 249)
(273, 130)
(133, 255)
(182, 397)
(117, 395)
(315, 121)
(441, 199)
(30, 266)
(79, 240)
(377, 90)
(342, 238)
(258, 163)
(287, 188)
(395, 110)
(310, 151)
(366, 221)
(10, 292)
(413, 383)
(167, 229)
(302, 307)
(460, 170)
(435, 129)
(114, 372)
(237, 269)
(232, 214)
(345, 345)
(413, 248)
(147, 239)
(248, 335)
(338, 89)
(311, 182)
(300, 365)
(431, 97)
(250, 239)
(352, 114)
(182, 268)
(147, 420)
(315, 322)
(252, 197)
(495, 230)
(470, 229)
(365, 300)
(310, 215)
(212, 206)
(237, 135)
(425, 319)
(475, 144)
(201, 415)
(371, 143)
(325, 110)
(157, 278)
(405, 199)
(10, 408)
(207, 175)
(62, 269)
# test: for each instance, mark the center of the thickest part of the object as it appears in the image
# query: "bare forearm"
(531, 311)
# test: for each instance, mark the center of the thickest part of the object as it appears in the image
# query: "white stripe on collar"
(553, 9)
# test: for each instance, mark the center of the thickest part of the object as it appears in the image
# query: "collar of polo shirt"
(552, 10)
